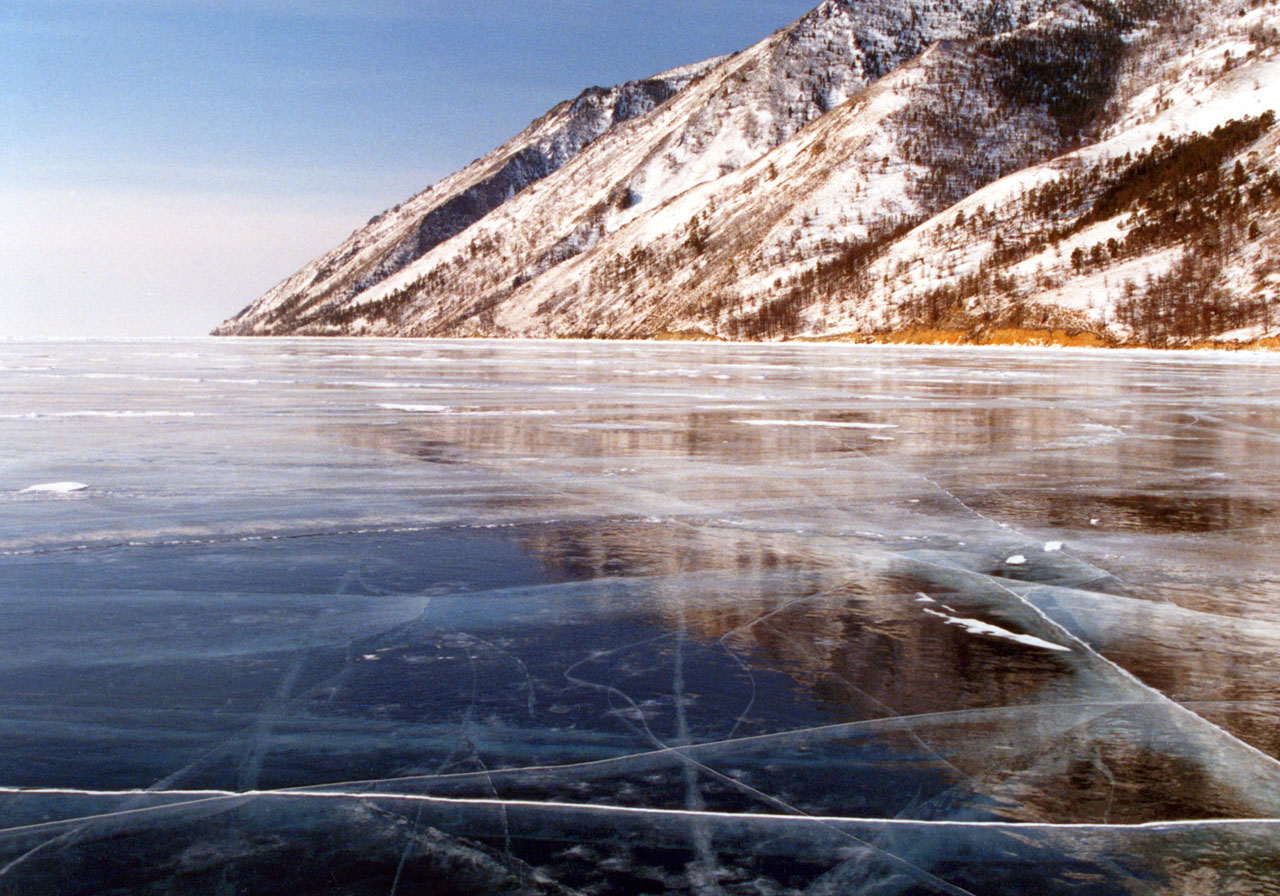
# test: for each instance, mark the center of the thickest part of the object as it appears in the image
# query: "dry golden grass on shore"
(997, 336)
(1007, 336)
(1025, 336)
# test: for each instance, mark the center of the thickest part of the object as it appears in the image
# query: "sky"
(165, 162)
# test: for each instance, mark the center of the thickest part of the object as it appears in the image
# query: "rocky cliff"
(872, 170)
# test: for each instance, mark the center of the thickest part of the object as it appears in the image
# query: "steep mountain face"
(875, 169)
(402, 235)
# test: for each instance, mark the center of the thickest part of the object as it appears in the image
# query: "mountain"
(971, 170)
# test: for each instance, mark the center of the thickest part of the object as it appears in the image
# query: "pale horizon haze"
(165, 163)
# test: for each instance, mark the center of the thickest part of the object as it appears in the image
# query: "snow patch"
(55, 488)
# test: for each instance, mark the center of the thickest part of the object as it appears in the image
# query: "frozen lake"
(419, 617)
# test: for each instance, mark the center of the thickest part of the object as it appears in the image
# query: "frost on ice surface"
(616, 641)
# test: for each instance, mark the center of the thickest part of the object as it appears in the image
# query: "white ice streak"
(67, 415)
(203, 796)
(822, 424)
(55, 488)
(452, 411)
(978, 627)
(417, 408)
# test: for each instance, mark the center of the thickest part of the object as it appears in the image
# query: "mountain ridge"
(824, 183)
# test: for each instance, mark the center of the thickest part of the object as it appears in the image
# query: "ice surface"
(310, 636)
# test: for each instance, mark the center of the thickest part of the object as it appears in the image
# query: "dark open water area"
(414, 617)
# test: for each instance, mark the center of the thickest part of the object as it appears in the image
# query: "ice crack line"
(921, 874)
(841, 729)
(1124, 673)
(1270, 762)
(702, 872)
(199, 797)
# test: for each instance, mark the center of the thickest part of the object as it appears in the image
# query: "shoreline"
(917, 337)
(1032, 337)
(1006, 337)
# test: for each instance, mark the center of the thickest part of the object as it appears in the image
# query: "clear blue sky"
(164, 162)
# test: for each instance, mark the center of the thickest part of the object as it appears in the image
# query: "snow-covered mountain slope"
(872, 169)
(403, 234)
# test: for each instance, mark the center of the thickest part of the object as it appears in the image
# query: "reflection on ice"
(739, 620)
